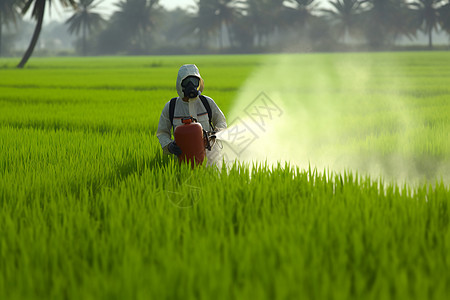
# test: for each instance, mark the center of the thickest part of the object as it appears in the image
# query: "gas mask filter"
(190, 86)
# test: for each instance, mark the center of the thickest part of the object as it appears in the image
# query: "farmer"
(189, 103)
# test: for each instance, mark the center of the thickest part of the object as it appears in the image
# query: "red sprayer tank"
(189, 137)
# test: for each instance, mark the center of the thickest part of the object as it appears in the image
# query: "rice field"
(351, 204)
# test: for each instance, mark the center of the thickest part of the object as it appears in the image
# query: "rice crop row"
(91, 209)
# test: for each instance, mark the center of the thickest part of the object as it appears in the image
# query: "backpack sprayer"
(193, 141)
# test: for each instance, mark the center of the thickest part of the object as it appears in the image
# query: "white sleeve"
(218, 118)
(164, 129)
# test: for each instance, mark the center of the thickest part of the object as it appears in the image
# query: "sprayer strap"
(208, 110)
(172, 109)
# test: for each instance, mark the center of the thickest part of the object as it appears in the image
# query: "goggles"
(190, 79)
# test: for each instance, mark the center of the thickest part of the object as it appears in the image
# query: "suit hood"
(185, 71)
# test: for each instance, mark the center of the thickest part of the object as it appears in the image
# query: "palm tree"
(302, 11)
(208, 19)
(428, 17)
(384, 20)
(214, 15)
(344, 15)
(444, 16)
(8, 13)
(204, 23)
(266, 17)
(226, 12)
(177, 28)
(84, 19)
(38, 14)
(136, 17)
(243, 34)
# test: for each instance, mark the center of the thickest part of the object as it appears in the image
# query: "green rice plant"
(90, 208)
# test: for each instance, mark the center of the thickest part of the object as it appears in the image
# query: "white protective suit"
(192, 108)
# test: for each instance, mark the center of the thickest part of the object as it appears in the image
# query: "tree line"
(240, 26)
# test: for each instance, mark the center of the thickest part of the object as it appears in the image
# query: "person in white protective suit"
(190, 103)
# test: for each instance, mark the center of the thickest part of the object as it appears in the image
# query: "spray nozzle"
(209, 139)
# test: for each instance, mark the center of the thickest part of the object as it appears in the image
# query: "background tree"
(136, 18)
(384, 20)
(204, 23)
(302, 11)
(310, 27)
(444, 16)
(38, 14)
(344, 16)
(85, 20)
(175, 31)
(243, 33)
(226, 12)
(266, 18)
(113, 39)
(406, 25)
(243, 25)
(214, 18)
(428, 17)
(8, 13)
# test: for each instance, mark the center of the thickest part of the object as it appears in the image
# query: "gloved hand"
(174, 149)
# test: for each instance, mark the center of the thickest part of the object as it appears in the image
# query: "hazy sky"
(107, 7)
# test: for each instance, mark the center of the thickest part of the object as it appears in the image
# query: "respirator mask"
(190, 86)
